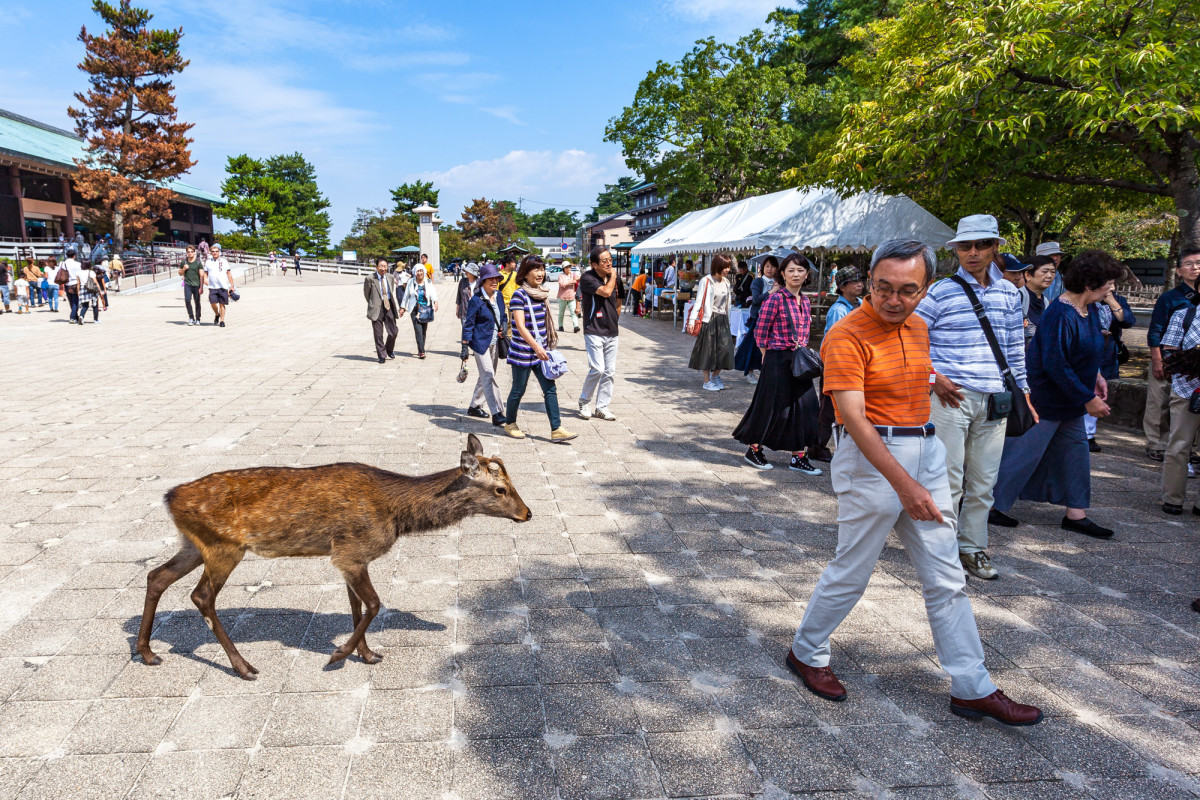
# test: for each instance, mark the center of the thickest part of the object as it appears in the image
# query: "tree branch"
(1162, 189)
(1042, 80)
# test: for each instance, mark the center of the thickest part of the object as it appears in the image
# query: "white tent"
(817, 218)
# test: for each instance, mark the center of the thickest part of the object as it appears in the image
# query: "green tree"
(247, 193)
(408, 196)
(551, 221)
(612, 199)
(1079, 93)
(298, 219)
(377, 232)
(715, 127)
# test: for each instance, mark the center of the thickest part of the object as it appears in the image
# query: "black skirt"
(714, 345)
(747, 358)
(783, 414)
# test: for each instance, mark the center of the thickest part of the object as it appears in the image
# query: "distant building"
(552, 246)
(38, 199)
(649, 211)
(609, 231)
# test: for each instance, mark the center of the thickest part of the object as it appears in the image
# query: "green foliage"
(408, 196)
(237, 240)
(277, 200)
(1013, 94)
(1129, 233)
(377, 232)
(612, 199)
(551, 222)
(714, 127)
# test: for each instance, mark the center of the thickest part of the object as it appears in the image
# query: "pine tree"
(128, 117)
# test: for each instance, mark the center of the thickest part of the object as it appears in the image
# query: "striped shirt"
(519, 352)
(956, 342)
(783, 322)
(888, 362)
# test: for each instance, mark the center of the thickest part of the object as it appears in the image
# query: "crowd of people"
(32, 283)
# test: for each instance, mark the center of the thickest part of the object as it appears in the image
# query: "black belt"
(886, 430)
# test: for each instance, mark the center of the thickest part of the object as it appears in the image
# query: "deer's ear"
(474, 446)
(470, 464)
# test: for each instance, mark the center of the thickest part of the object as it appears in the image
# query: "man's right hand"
(918, 503)
(947, 391)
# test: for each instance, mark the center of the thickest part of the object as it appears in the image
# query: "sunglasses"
(979, 244)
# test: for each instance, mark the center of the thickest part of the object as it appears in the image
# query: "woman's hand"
(540, 352)
(1098, 408)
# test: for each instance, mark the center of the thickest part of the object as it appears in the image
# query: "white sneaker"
(604, 414)
(720, 383)
(585, 409)
(752, 379)
(710, 386)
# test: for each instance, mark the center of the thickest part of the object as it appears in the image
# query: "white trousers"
(974, 448)
(868, 508)
(602, 369)
(486, 388)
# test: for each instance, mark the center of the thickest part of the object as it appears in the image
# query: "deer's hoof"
(246, 671)
(371, 657)
(336, 656)
(151, 660)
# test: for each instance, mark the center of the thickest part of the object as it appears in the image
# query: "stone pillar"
(428, 237)
(14, 176)
(69, 222)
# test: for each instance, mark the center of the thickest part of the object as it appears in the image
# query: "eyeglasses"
(978, 244)
(885, 291)
(1183, 264)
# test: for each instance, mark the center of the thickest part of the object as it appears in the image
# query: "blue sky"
(487, 99)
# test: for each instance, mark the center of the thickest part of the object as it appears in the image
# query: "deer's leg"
(359, 584)
(157, 582)
(220, 561)
(364, 652)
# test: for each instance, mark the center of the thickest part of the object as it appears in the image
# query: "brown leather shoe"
(819, 680)
(999, 707)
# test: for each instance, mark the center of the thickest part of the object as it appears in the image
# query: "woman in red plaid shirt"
(783, 413)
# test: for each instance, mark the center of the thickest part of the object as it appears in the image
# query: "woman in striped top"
(533, 335)
(783, 413)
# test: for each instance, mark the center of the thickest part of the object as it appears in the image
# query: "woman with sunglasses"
(783, 413)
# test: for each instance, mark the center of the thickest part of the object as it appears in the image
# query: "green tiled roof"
(37, 141)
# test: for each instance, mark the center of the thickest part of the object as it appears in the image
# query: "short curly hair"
(1090, 270)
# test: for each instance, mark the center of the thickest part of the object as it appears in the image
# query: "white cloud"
(504, 112)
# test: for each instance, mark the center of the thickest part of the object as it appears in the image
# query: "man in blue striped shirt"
(967, 374)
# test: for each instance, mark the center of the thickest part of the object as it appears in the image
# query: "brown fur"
(352, 513)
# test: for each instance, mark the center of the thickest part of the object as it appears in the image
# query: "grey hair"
(905, 249)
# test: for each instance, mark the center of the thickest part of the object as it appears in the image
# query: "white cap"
(976, 227)
(1048, 249)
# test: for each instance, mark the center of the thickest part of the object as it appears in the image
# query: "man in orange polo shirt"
(889, 472)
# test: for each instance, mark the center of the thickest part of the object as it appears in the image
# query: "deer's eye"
(501, 491)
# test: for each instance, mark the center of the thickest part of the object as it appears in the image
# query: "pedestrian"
(889, 472)
(421, 303)
(1013, 270)
(783, 412)
(72, 285)
(379, 290)
(6, 278)
(748, 357)
(849, 287)
(713, 349)
(1050, 462)
(638, 293)
(485, 333)
(118, 271)
(205, 254)
(1115, 316)
(403, 276)
(90, 287)
(741, 281)
(102, 276)
(271, 260)
(190, 272)
(602, 293)
(219, 278)
(1039, 275)
(467, 285)
(33, 277)
(532, 341)
(1155, 421)
(508, 277)
(296, 263)
(968, 376)
(568, 303)
(49, 287)
(425, 265)
(1053, 251)
(21, 287)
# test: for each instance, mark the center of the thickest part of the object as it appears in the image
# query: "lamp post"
(562, 236)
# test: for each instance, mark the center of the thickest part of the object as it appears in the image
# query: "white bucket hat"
(472, 269)
(1048, 249)
(976, 227)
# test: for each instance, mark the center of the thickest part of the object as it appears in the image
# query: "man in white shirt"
(73, 284)
(219, 278)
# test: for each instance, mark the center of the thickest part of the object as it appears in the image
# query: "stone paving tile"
(629, 641)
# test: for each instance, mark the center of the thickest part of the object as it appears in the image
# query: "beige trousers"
(974, 448)
(1184, 425)
(1154, 421)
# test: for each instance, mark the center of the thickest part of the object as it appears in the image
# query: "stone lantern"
(428, 224)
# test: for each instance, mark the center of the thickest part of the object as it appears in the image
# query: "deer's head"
(492, 491)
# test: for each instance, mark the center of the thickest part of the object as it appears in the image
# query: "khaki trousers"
(974, 448)
(1184, 425)
(1154, 421)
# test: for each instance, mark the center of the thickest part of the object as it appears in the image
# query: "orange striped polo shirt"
(888, 363)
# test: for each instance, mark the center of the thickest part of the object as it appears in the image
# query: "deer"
(351, 512)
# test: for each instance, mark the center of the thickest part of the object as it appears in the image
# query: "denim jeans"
(52, 296)
(73, 299)
(520, 379)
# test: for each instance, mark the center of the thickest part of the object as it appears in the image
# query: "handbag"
(1010, 403)
(62, 277)
(424, 312)
(693, 327)
(806, 364)
(91, 287)
(555, 366)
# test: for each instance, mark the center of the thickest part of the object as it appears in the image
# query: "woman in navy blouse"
(1050, 463)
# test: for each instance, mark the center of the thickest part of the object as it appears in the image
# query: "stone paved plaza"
(627, 642)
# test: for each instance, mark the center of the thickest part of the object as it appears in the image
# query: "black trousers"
(191, 299)
(419, 332)
(297, 265)
(825, 420)
(384, 347)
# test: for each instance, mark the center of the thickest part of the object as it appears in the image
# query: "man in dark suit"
(380, 291)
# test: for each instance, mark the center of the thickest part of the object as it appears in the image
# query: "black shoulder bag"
(1010, 403)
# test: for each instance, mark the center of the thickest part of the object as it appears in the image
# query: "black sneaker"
(1086, 527)
(802, 464)
(1001, 519)
(476, 411)
(755, 458)
(222, 323)
(1092, 446)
